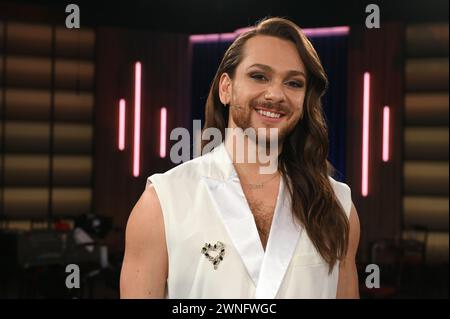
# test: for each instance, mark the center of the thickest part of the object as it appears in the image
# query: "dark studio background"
(61, 168)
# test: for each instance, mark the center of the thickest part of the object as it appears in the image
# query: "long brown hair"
(303, 160)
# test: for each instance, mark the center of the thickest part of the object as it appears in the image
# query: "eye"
(258, 77)
(296, 84)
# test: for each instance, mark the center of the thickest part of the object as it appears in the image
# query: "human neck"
(249, 159)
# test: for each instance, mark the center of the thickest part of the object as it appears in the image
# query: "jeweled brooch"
(218, 250)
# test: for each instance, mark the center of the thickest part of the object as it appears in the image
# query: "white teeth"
(269, 114)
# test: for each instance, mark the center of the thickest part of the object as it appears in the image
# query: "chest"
(262, 203)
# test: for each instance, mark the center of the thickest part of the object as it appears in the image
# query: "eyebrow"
(269, 69)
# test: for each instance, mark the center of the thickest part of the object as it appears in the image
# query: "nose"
(275, 93)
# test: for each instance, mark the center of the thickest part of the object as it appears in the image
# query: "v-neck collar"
(266, 268)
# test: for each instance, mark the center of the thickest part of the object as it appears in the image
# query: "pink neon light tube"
(386, 124)
(365, 141)
(325, 32)
(163, 132)
(137, 119)
(121, 125)
(310, 32)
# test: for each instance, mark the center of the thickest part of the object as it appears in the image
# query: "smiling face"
(268, 87)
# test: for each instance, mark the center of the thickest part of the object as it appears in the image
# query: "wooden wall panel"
(47, 93)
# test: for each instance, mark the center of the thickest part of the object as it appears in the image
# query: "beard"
(242, 117)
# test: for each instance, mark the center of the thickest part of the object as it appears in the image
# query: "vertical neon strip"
(386, 119)
(121, 125)
(365, 141)
(163, 133)
(137, 119)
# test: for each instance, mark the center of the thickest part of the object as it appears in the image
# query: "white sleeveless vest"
(202, 202)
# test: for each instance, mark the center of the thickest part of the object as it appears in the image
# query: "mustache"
(265, 104)
(270, 106)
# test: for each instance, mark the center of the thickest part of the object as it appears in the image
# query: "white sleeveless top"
(203, 202)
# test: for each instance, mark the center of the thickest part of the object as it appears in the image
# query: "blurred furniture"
(402, 267)
(33, 263)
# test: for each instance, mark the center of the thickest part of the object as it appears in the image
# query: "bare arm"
(144, 268)
(348, 276)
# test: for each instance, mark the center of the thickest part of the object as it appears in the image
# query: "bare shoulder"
(145, 223)
(348, 285)
(144, 269)
(354, 232)
(147, 208)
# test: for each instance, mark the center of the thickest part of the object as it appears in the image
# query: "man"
(216, 227)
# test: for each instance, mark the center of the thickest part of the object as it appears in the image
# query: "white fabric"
(203, 202)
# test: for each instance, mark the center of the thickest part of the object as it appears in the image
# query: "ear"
(225, 88)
